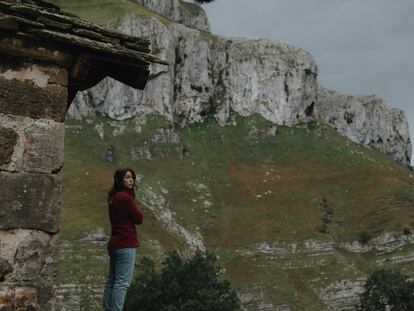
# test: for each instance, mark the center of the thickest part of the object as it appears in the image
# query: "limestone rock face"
(192, 15)
(167, 8)
(278, 81)
(189, 14)
(367, 120)
(221, 77)
(121, 102)
(209, 76)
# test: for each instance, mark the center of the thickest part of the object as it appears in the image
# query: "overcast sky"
(361, 46)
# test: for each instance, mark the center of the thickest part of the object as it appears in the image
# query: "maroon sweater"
(124, 215)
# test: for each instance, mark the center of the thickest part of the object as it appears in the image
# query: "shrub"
(364, 238)
(387, 290)
(203, 1)
(312, 125)
(190, 284)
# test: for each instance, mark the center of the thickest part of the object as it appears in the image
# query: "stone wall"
(33, 104)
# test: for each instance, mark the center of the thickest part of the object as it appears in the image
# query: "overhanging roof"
(97, 51)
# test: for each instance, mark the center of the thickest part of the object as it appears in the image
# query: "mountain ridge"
(213, 74)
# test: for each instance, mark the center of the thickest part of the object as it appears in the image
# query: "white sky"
(361, 46)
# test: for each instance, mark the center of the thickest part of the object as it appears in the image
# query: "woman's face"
(128, 180)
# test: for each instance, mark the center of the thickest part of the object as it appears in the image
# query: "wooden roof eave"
(88, 70)
(97, 51)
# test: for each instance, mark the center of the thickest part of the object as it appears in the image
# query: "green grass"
(260, 189)
(105, 12)
(264, 189)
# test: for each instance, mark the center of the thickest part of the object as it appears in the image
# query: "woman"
(124, 215)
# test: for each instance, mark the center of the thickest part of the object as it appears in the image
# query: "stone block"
(25, 98)
(44, 147)
(32, 256)
(40, 74)
(39, 146)
(5, 268)
(18, 299)
(8, 139)
(30, 201)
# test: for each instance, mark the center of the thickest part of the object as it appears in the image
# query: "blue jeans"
(121, 268)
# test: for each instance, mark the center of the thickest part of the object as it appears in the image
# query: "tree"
(387, 288)
(203, 1)
(190, 284)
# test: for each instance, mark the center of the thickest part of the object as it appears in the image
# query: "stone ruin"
(47, 56)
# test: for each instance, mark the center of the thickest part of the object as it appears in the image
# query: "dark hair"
(119, 182)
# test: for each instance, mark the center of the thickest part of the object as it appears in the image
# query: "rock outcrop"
(216, 76)
(188, 14)
(210, 75)
(367, 120)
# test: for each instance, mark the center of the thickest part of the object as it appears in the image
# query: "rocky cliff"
(188, 14)
(367, 120)
(210, 75)
(216, 76)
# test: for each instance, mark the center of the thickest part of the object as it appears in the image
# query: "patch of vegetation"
(364, 238)
(403, 193)
(105, 12)
(327, 216)
(387, 290)
(239, 192)
(312, 125)
(185, 284)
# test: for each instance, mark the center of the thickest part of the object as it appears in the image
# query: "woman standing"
(124, 215)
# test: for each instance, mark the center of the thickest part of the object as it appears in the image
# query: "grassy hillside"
(105, 12)
(239, 188)
(276, 209)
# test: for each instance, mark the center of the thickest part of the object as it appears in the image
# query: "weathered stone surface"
(39, 146)
(109, 154)
(30, 201)
(24, 21)
(343, 294)
(277, 81)
(50, 23)
(158, 152)
(169, 9)
(8, 139)
(5, 268)
(189, 14)
(32, 254)
(18, 299)
(193, 15)
(367, 120)
(44, 147)
(166, 136)
(27, 99)
(96, 35)
(41, 75)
